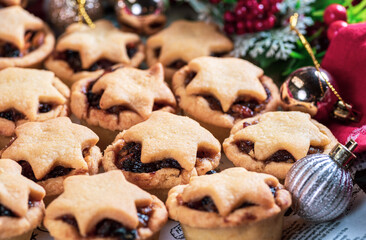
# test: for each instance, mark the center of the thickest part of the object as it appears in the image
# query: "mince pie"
(21, 202)
(272, 142)
(7, 3)
(120, 99)
(104, 206)
(183, 41)
(50, 151)
(162, 152)
(234, 204)
(25, 40)
(85, 52)
(220, 91)
(29, 95)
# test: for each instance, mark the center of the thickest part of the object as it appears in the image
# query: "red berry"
(240, 28)
(334, 12)
(274, 8)
(229, 28)
(335, 27)
(249, 26)
(260, 8)
(240, 12)
(215, 1)
(251, 3)
(229, 16)
(258, 26)
(269, 22)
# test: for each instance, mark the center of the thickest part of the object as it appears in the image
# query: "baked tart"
(119, 99)
(104, 206)
(218, 92)
(25, 40)
(86, 52)
(183, 41)
(235, 204)
(272, 142)
(51, 151)
(164, 151)
(21, 203)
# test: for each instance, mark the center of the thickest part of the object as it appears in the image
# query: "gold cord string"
(83, 14)
(293, 23)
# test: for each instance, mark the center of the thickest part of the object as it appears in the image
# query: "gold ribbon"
(83, 14)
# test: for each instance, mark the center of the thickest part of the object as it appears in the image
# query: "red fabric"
(345, 60)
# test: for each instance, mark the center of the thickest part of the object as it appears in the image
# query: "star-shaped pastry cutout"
(188, 40)
(102, 42)
(91, 199)
(232, 187)
(165, 135)
(226, 79)
(15, 21)
(23, 89)
(56, 142)
(290, 131)
(15, 189)
(137, 89)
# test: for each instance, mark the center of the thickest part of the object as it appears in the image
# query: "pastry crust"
(158, 144)
(15, 192)
(24, 90)
(25, 21)
(103, 42)
(118, 203)
(299, 124)
(236, 189)
(185, 40)
(139, 90)
(56, 142)
(217, 81)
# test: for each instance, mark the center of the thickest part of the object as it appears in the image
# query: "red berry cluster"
(251, 16)
(335, 16)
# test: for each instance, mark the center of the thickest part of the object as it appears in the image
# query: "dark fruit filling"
(129, 159)
(108, 228)
(246, 146)
(155, 25)
(218, 54)
(206, 204)
(6, 212)
(177, 64)
(131, 49)
(44, 107)
(210, 172)
(74, 61)
(33, 39)
(189, 78)
(241, 108)
(57, 171)
(157, 52)
(12, 115)
(273, 190)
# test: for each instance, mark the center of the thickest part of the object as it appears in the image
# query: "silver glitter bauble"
(62, 13)
(320, 184)
(305, 90)
(141, 16)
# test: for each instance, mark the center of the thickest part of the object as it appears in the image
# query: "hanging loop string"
(83, 14)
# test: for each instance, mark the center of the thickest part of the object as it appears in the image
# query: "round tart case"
(162, 152)
(233, 204)
(21, 204)
(120, 99)
(183, 41)
(25, 40)
(104, 206)
(218, 92)
(85, 52)
(272, 142)
(29, 95)
(50, 151)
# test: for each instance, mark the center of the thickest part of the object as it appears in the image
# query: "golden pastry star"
(138, 89)
(93, 44)
(15, 21)
(290, 131)
(24, 89)
(232, 187)
(187, 40)
(91, 199)
(56, 142)
(226, 79)
(165, 135)
(16, 189)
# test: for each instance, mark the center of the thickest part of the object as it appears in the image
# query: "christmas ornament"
(320, 184)
(141, 16)
(334, 28)
(312, 90)
(62, 13)
(334, 12)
